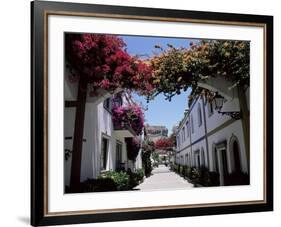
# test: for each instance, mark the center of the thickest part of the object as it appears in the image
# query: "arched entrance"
(239, 175)
(236, 154)
(235, 150)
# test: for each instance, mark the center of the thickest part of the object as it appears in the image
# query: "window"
(164, 132)
(203, 163)
(104, 149)
(192, 127)
(210, 108)
(118, 101)
(178, 141)
(187, 130)
(198, 161)
(199, 115)
(237, 163)
(186, 159)
(183, 134)
(107, 104)
(196, 158)
(215, 161)
(118, 156)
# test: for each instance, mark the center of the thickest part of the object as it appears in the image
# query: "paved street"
(163, 178)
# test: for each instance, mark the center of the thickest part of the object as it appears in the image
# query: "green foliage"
(99, 185)
(111, 181)
(181, 172)
(203, 177)
(121, 179)
(148, 148)
(139, 174)
(230, 59)
(198, 176)
(176, 69)
(209, 178)
(135, 177)
(155, 164)
(176, 168)
(170, 73)
(146, 163)
(195, 174)
(155, 156)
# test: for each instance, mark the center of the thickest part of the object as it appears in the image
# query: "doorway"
(222, 164)
(236, 157)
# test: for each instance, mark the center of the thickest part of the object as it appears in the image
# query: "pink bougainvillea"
(131, 115)
(164, 143)
(103, 62)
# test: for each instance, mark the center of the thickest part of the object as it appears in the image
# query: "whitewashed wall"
(98, 124)
(234, 129)
(215, 128)
(199, 130)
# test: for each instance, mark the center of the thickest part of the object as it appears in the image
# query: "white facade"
(206, 138)
(103, 147)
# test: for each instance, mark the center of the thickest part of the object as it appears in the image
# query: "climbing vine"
(103, 62)
(176, 69)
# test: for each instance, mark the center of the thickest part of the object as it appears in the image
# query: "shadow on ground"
(24, 220)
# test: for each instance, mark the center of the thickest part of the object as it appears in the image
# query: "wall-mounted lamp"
(219, 100)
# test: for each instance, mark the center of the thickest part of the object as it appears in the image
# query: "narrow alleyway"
(163, 178)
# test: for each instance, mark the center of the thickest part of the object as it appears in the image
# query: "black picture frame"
(39, 125)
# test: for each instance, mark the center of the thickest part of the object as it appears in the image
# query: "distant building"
(155, 132)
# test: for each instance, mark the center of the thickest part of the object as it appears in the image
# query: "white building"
(104, 147)
(207, 138)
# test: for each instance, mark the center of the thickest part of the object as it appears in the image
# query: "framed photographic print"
(142, 113)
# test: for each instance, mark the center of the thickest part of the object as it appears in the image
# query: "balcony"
(124, 130)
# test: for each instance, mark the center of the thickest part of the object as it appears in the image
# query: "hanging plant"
(131, 115)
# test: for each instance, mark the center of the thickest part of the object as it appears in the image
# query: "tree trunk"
(78, 136)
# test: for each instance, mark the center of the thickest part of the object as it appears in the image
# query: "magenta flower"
(95, 57)
(129, 115)
(105, 84)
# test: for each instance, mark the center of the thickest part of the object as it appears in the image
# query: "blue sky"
(144, 45)
(160, 111)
